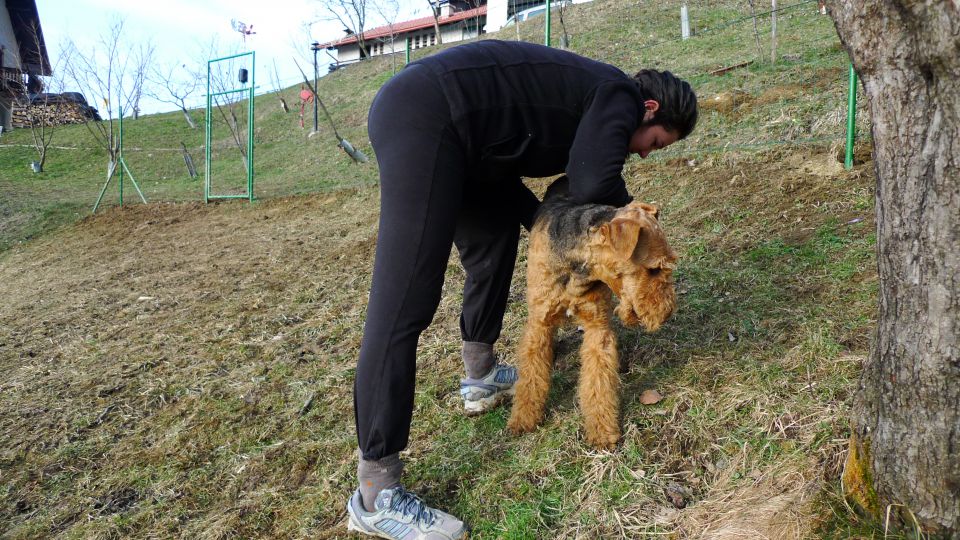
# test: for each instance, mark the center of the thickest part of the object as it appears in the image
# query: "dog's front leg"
(599, 381)
(536, 365)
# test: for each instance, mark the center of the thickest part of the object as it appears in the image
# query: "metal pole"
(546, 32)
(251, 119)
(206, 144)
(684, 22)
(773, 32)
(407, 51)
(851, 117)
(315, 77)
(120, 156)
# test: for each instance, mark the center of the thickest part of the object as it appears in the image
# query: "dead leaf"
(649, 397)
(677, 495)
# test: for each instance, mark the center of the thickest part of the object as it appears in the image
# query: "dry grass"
(158, 360)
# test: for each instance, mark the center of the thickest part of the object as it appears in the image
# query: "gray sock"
(377, 475)
(478, 358)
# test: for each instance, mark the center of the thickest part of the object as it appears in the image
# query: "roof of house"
(33, 49)
(407, 26)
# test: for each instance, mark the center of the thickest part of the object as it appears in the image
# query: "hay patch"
(776, 504)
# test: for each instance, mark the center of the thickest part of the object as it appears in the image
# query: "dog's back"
(567, 222)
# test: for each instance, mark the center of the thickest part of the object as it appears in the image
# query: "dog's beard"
(654, 313)
(626, 313)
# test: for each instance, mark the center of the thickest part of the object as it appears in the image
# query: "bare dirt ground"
(180, 370)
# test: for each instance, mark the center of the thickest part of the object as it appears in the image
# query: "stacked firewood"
(53, 114)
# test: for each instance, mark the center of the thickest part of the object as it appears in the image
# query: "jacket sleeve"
(601, 145)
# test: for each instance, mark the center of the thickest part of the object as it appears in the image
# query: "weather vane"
(242, 27)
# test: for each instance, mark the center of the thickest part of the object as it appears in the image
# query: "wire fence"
(750, 102)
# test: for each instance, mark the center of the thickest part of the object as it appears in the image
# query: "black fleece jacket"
(522, 109)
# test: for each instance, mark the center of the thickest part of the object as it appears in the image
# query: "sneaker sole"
(482, 405)
(352, 527)
(360, 530)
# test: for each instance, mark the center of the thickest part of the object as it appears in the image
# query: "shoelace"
(409, 504)
(505, 375)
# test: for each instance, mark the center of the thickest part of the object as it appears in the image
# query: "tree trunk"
(435, 11)
(905, 449)
(186, 116)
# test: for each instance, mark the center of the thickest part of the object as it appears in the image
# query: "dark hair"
(678, 103)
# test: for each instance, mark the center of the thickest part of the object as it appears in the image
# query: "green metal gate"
(249, 89)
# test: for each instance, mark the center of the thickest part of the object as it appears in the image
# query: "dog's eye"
(653, 272)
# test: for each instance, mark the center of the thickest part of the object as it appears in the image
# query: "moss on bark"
(858, 477)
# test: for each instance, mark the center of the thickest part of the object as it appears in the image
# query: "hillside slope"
(799, 100)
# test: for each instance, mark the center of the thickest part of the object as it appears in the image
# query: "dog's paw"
(519, 424)
(603, 440)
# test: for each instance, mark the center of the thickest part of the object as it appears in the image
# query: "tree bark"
(186, 116)
(905, 449)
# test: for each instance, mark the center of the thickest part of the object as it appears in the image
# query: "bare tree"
(275, 78)
(113, 74)
(904, 456)
(352, 14)
(43, 110)
(174, 86)
(564, 36)
(756, 31)
(474, 4)
(388, 10)
(516, 20)
(435, 11)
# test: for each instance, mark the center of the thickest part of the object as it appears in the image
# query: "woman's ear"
(650, 108)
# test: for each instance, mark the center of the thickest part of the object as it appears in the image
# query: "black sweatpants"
(427, 204)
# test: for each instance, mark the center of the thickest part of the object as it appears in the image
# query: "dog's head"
(634, 259)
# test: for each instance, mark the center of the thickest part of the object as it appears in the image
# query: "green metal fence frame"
(250, 123)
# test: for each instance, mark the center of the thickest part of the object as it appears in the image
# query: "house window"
(433, 39)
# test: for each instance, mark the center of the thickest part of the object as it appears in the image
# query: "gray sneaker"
(481, 395)
(401, 515)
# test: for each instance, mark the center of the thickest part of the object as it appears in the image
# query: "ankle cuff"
(381, 466)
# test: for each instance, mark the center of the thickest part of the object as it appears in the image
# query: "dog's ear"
(651, 209)
(648, 208)
(622, 234)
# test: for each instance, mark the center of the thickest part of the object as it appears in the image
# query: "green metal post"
(206, 142)
(119, 164)
(546, 33)
(316, 75)
(407, 52)
(851, 117)
(250, 119)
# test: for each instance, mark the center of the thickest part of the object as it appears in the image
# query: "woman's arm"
(601, 146)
